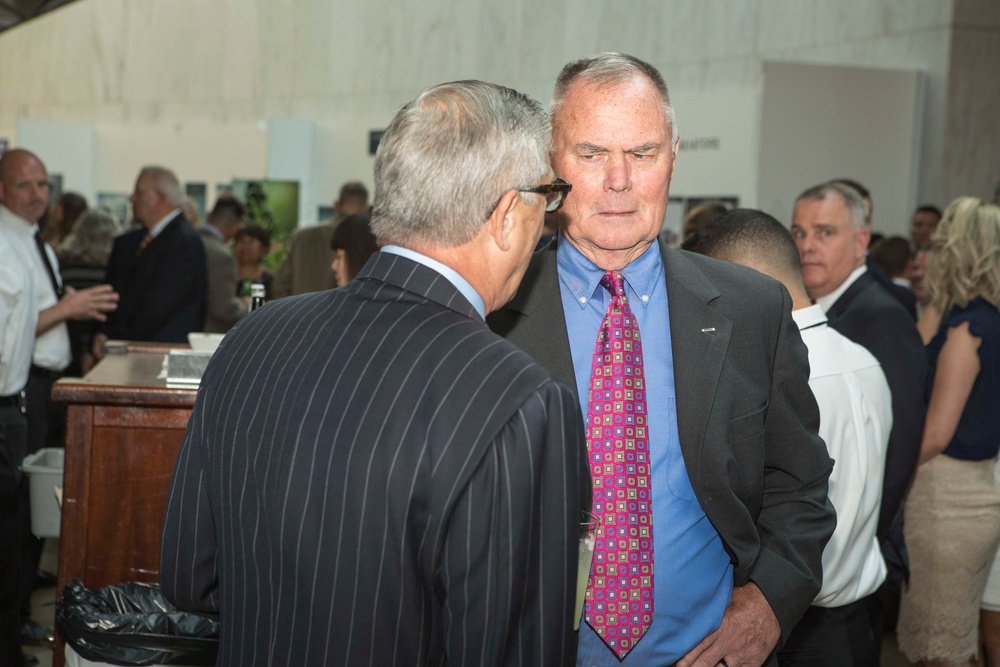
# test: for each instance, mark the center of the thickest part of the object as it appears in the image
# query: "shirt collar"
(450, 274)
(214, 231)
(809, 317)
(17, 224)
(164, 221)
(583, 278)
(826, 302)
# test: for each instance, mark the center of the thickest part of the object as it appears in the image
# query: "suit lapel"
(700, 338)
(155, 247)
(848, 297)
(543, 325)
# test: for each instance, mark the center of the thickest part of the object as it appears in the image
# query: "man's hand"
(86, 304)
(97, 347)
(748, 634)
(89, 304)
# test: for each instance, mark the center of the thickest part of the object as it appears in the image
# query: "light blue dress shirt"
(692, 575)
(450, 274)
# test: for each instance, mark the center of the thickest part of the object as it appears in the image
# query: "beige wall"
(191, 82)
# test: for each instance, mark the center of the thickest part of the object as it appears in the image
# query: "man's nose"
(618, 174)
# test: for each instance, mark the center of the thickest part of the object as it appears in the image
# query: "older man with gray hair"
(387, 481)
(829, 228)
(158, 269)
(709, 477)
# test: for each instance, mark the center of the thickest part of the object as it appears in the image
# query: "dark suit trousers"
(12, 447)
(848, 636)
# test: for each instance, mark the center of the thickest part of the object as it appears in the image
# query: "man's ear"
(503, 218)
(864, 238)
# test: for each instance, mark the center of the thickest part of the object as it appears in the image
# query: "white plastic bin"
(45, 472)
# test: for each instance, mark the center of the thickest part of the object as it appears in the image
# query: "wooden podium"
(124, 429)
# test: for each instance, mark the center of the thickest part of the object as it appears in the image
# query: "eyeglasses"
(555, 193)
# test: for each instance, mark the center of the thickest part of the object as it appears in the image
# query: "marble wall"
(185, 79)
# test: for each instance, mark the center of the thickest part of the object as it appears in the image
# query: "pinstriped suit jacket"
(371, 477)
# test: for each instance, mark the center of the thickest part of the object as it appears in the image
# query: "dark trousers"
(46, 428)
(13, 443)
(848, 636)
(46, 418)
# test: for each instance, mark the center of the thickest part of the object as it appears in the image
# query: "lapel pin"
(708, 330)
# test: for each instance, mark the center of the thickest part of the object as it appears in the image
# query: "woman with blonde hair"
(952, 514)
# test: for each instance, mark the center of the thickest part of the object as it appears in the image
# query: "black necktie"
(48, 266)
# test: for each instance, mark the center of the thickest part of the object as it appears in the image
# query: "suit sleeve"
(188, 551)
(509, 561)
(796, 518)
(223, 306)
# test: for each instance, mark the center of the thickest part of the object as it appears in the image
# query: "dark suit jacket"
(746, 416)
(162, 291)
(872, 318)
(904, 296)
(371, 477)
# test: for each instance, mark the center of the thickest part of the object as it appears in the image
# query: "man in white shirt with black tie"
(24, 197)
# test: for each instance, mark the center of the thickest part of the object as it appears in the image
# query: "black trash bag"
(133, 624)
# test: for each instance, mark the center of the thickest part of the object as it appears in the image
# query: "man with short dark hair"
(158, 269)
(925, 221)
(372, 477)
(709, 478)
(306, 267)
(843, 627)
(829, 229)
(223, 308)
(895, 256)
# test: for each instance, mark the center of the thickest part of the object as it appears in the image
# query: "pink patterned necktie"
(619, 603)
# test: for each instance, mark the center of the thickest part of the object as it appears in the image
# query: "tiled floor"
(43, 611)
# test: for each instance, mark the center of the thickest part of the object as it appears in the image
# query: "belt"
(45, 373)
(14, 400)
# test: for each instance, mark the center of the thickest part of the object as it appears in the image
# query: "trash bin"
(132, 624)
(44, 469)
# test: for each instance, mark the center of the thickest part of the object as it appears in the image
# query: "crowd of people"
(770, 437)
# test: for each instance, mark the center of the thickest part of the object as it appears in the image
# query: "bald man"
(24, 198)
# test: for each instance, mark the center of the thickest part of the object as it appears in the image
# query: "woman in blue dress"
(952, 514)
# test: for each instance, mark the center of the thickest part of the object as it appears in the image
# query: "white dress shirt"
(18, 314)
(52, 348)
(855, 408)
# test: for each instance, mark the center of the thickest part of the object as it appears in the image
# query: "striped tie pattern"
(619, 601)
(146, 240)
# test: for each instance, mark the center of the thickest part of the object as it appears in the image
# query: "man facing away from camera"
(372, 477)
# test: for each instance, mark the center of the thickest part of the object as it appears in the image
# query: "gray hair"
(449, 155)
(607, 69)
(166, 184)
(89, 242)
(850, 196)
